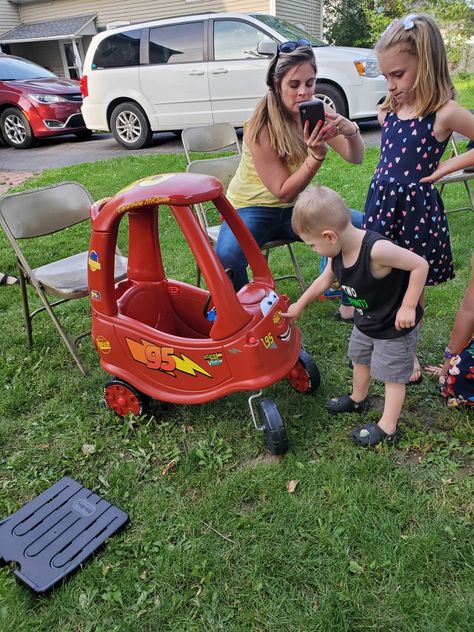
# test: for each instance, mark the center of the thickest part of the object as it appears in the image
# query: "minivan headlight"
(367, 67)
(47, 98)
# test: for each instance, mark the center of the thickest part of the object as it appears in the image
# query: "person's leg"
(231, 256)
(360, 353)
(360, 382)
(394, 398)
(391, 363)
(417, 376)
(265, 224)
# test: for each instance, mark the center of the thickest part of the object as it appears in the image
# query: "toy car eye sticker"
(268, 302)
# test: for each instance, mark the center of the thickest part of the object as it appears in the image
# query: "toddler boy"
(384, 283)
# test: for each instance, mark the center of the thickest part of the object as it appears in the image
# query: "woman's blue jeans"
(265, 224)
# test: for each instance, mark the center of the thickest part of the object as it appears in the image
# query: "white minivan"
(202, 69)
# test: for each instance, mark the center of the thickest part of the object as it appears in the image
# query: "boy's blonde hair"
(318, 209)
(285, 138)
(419, 35)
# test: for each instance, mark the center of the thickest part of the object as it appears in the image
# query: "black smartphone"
(312, 111)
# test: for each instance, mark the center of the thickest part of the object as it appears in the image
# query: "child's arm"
(453, 118)
(317, 287)
(387, 254)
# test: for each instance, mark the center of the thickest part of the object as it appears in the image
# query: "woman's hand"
(336, 125)
(315, 141)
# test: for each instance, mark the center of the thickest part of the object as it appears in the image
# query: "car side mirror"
(267, 47)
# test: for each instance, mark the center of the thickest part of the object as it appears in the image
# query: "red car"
(35, 103)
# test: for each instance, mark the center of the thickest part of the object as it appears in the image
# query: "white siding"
(133, 10)
(9, 16)
(306, 12)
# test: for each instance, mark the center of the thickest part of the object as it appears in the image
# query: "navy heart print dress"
(398, 206)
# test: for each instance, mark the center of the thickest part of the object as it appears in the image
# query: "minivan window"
(234, 39)
(12, 69)
(177, 43)
(286, 29)
(122, 49)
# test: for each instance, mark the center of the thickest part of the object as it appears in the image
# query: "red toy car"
(160, 338)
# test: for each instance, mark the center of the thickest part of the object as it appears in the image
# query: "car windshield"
(287, 30)
(12, 69)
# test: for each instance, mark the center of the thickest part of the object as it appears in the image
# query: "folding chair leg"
(298, 273)
(470, 194)
(25, 306)
(59, 327)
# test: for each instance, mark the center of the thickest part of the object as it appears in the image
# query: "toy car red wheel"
(123, 398)
(304, 376)
(274, 431)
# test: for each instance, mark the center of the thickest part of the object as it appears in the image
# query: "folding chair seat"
(44, 211)
(458, 176)
(221, 137)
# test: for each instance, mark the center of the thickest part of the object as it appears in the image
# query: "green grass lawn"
(371, 540)
(464, 85)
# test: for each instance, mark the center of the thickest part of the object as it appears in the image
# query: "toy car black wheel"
(123, 398)
(274, 432)
(304, 376)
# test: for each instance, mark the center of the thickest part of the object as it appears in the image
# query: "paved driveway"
(68, 150)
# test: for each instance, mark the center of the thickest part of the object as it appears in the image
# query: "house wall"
(9, 16)
(308, 13)
(134, 10)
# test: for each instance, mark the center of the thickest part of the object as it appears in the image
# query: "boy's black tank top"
(376, 301)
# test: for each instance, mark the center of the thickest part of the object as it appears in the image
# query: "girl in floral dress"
(417, 117)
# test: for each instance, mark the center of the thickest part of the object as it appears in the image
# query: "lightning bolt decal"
(163, 358)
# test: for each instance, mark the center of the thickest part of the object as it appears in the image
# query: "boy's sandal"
(372, 434)
(345, 404)
(4, 279)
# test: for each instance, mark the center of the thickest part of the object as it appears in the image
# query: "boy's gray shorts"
(389, 360)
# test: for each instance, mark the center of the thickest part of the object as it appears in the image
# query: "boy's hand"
(406, 317)
(293, 311)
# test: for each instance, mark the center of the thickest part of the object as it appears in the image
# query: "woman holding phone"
(280, 157)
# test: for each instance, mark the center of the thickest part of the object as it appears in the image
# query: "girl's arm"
(275, 174)
(453, 118)
(386, 254)
(317, 287)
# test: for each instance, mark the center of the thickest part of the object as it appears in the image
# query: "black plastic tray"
(54, 533)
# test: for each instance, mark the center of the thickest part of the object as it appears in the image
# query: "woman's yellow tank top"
(246, 188)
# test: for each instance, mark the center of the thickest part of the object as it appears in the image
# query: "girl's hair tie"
(408, 21)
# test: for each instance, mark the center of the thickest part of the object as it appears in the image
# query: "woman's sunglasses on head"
(289, 47)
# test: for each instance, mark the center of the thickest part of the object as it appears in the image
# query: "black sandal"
(345, 404)
(372, 434)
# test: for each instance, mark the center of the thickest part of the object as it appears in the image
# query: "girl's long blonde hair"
(285, 137)
(419, 35)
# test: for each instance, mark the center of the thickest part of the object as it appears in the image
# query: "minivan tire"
(332, 97)
(130, 126)
(15, 129)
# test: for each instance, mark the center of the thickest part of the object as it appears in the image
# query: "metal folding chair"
(38, 212)
(458, 176)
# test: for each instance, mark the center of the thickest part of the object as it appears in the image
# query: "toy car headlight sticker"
(268, 302)
(93, 261)
(103, 345)
(163, 358)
